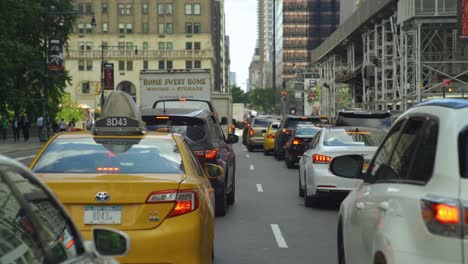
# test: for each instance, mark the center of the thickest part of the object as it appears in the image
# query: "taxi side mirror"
(213, 171)
(348, 166)
(110, 243)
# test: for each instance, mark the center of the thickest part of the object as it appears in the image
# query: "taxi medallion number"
(110, 215)
(117, 121)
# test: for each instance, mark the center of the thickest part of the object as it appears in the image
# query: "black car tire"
(221, 203)
(341, 250)
(231, 197)
(301, 191)
(266, 152)
(309, 201)
(289, 162)
(250, 148)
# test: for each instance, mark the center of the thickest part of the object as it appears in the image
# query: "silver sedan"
(316, 182)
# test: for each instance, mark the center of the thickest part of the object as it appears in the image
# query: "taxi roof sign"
(119, 116)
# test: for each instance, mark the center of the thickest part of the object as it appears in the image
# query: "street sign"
(447, 82)
(108, 76)
(55, 56)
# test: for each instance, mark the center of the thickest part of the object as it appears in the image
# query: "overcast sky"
(241, 26)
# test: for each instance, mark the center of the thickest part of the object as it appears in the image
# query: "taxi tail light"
(186, 202)
(251, 132)
(442, 216)
(297, 141)
(322, 159)
(270, 136)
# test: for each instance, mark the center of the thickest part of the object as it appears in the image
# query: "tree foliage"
(264, 100)
(24, 25)
(69, 110)
(239, 96)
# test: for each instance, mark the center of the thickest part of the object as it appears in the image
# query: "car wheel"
(221, 203)
(231, 197)
(289, 162)
(276, 154)
(309, 201)
(266, 152)
(249, 148)
(341, 251)
(301, 191)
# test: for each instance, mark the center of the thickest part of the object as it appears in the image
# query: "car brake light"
(182, 99)
(297, 141)
(108, 169)
(207, 154)
(442, 216)
(317, 158)
(162, 117)
(284, 130)
(251, 132)
(186, 201)
(70, 244)
(270, 136)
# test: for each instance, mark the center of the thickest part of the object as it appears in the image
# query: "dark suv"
(285, 131)
(364, 118)
(202, 131)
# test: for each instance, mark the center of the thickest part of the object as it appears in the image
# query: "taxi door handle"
(383, 206)
(360, 205)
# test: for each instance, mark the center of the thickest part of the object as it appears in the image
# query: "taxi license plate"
(104, 215)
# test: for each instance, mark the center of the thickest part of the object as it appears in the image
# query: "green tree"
(238, 95)
(264, 99)
(69, 110)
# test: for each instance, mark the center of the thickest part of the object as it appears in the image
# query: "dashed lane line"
(252, 167)
(25, 158)
(259, 188)
(278, 236)
(247, 155)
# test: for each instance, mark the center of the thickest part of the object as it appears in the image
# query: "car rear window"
(306, 131)
(293, 122)
(364, 120)
(183, 105)
(192, 128)
(354, 137)
(261, 122)
(118, 155)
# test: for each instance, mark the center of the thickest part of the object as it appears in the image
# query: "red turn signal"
(446, 214)
(251, 132)
(317, 158)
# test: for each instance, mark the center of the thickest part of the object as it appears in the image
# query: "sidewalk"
(9, 145)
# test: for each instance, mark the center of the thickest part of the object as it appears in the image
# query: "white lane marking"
(245, 149)
(252, 167)
(24, 158)
(259, 188)
(278, 236)
(247, 156)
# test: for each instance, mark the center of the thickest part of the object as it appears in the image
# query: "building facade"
(267, 51)
(135, 35)
(300, 26)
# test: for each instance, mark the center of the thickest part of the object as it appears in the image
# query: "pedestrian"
(89, 123)
(5, 125)
(25, 124)
(16, 129)
(40, 126)
(62, 125)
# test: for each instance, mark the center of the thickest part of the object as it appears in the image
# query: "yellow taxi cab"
(269, 138)
(147, 184)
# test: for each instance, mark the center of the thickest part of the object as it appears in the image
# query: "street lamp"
(45, 97)
(105, 47)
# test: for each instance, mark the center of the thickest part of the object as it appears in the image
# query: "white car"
(411, 206)
(316, 182)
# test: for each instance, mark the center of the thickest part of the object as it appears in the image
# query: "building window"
(81, 46)
(145, 45)
(89, 45)
(161, 65)
(197, 64)
(121, 28)
(89, 65)
(169, 46)
(168, 9)
(196, 28)
(145, 65)
(169, 65)
(121, 45)
(145, 8)
(169, 28)
(161, 28)
(188, 9)
(105, 28)
(129, 45)
(130, 65)
(196, 9)
(188, 28)
(161, 46)
(85, 88)
(188, 45)
(81, 29)
(129, 28)
(121, 9)
(89, 28)
(104, 8)
(89, 8)
(81, 65)
(188, 65)
(161, 9)
(197, 46)
(145, 28)
(128, 10)
(80, 8)
(104, 45)
(121, 65)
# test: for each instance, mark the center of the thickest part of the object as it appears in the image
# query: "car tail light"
(251, 132)
(318, 158)
(186, 201)
(442, 216)
(162, 117)
(270, 136)
(284, 130)
(297, 141)
(108, 169)
(207, 154)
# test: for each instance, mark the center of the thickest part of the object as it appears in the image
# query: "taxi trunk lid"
(126, 207)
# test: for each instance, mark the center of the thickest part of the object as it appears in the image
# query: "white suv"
(412, 206)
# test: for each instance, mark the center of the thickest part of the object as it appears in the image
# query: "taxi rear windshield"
(192, 128)
(111, 155)
(354, 137)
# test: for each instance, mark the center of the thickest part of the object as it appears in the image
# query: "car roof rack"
(119, 116)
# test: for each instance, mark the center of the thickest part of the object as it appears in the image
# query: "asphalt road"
(268, 223)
